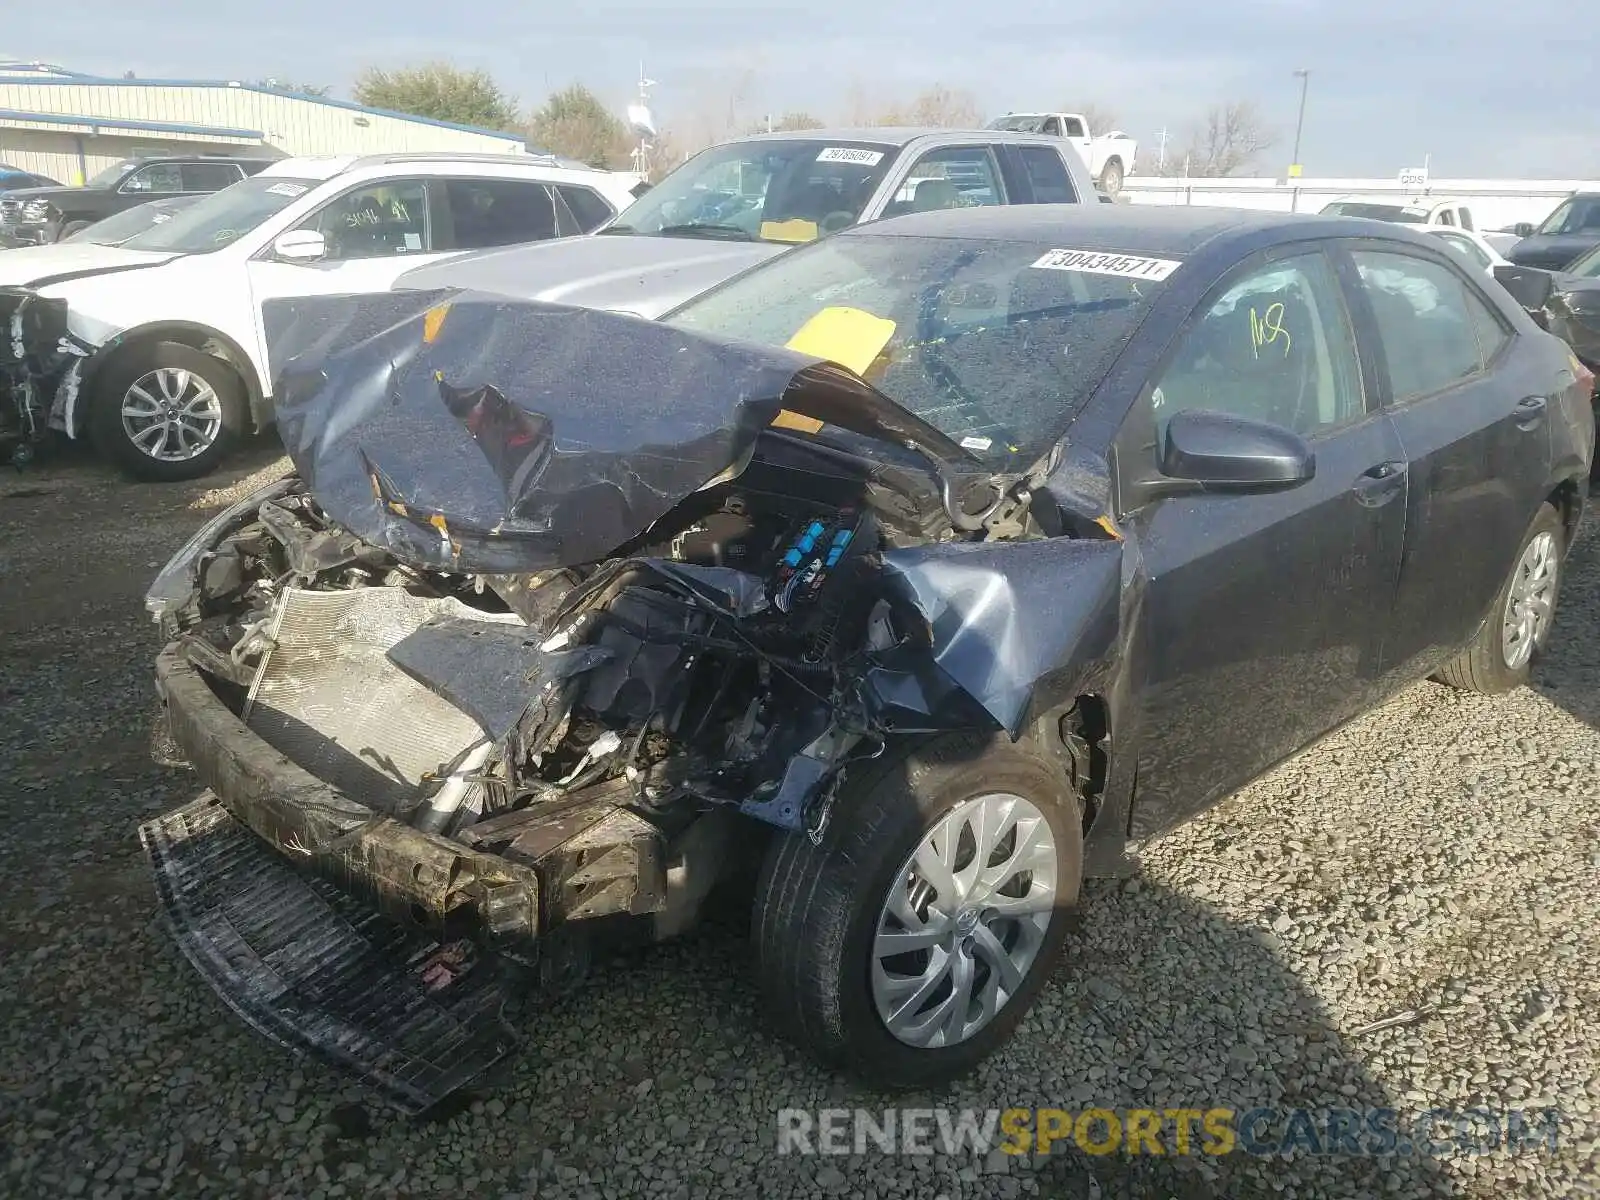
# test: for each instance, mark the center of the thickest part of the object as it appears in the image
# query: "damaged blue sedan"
(907, 579)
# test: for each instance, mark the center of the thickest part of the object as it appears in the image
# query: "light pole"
(1304, 75)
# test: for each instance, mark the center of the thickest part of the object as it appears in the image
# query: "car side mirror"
(1523, 229)
(1217, 449)
(300, 246)
(1529, 286)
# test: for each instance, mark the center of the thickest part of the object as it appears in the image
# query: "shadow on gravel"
(1568, 673)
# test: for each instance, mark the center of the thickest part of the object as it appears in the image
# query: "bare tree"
(1229, 138)
(788, 123)
(949, 108)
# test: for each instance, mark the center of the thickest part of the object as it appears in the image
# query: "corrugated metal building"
(71, 126)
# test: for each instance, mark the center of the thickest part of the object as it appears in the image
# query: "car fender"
(1020, 627)
(71, 410)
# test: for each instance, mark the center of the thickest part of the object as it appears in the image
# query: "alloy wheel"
(171, 414)
(964, 919)
(1531, 602)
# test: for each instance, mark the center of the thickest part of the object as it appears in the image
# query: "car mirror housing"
(1523, 229)
(300, 245)
(1216, 449)
(1529, 286)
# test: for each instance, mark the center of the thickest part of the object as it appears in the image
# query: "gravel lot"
(1436, 861)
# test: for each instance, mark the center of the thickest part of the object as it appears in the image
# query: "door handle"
(1529, 412)
(1381, 483)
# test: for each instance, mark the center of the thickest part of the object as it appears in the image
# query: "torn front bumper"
(41, 365)
(410, 875)
(316, 970)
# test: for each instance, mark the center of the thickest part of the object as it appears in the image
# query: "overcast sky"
(1388, 85)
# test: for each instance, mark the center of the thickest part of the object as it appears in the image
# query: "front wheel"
(167, 412)
(909, 944)
(1111, 177)
(1501, 657)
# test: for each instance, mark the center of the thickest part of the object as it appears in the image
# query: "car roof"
(326, 166)
(889, 135)
(1148, 229)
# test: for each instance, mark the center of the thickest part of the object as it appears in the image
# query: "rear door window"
(1047, 174)
(499, 212)
(209, 177)
(587, 205)
(1425, 322)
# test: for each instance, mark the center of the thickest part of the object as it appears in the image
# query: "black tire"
(105, 423)
(1111, 177)
(817, 907)
(70, 228)
(1481, 667)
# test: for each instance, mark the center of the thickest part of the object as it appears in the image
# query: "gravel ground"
(1436, 862)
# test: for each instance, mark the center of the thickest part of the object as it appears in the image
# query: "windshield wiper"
(616, 229)
(730, 233)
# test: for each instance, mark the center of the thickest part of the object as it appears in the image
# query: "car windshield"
(221, 218)
(994, 342)
(1580, 214)
(772, 191)
(1402, 213)
(1585, 265)
(112, 174)
(119, 227)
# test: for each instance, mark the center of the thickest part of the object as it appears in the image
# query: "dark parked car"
(1567, 303)
(1572, 230)
(913, 573)
(119, 227)
(12, 178)
(36, 216)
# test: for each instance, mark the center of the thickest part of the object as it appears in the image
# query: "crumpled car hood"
(476, 434)
(637, 273)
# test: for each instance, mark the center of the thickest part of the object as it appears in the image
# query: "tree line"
(1227, 138)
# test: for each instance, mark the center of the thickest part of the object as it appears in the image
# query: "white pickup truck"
(1109, 156)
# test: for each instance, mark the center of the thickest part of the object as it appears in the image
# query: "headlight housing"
(37, 212)
(174, 587)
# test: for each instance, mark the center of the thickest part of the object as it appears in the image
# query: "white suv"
(165, 363)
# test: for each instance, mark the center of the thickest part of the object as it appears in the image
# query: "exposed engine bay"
(725, 660)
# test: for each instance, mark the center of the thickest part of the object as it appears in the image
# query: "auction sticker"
(1097, 262)
(848, 154)
(287, 189)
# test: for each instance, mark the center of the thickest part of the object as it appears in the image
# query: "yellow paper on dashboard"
(796, 230)
(851, 337)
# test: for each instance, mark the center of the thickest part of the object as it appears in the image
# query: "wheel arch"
(187, 333)
(1568, 498)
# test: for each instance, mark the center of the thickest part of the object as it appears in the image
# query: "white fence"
(1495, 203)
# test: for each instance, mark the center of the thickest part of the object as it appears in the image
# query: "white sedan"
(1471, 246)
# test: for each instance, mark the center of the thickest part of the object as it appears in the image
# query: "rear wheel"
(910, 943)
(1502, 655)
(1111, 177)
(166, 412)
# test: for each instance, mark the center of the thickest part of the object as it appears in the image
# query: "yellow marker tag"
(1105, 523)
(433, 322)
(796, 229)
(793, 420)
(851, 337)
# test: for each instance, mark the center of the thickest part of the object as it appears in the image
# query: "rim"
(964, 920)
(1531, 603)
(171, 414)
